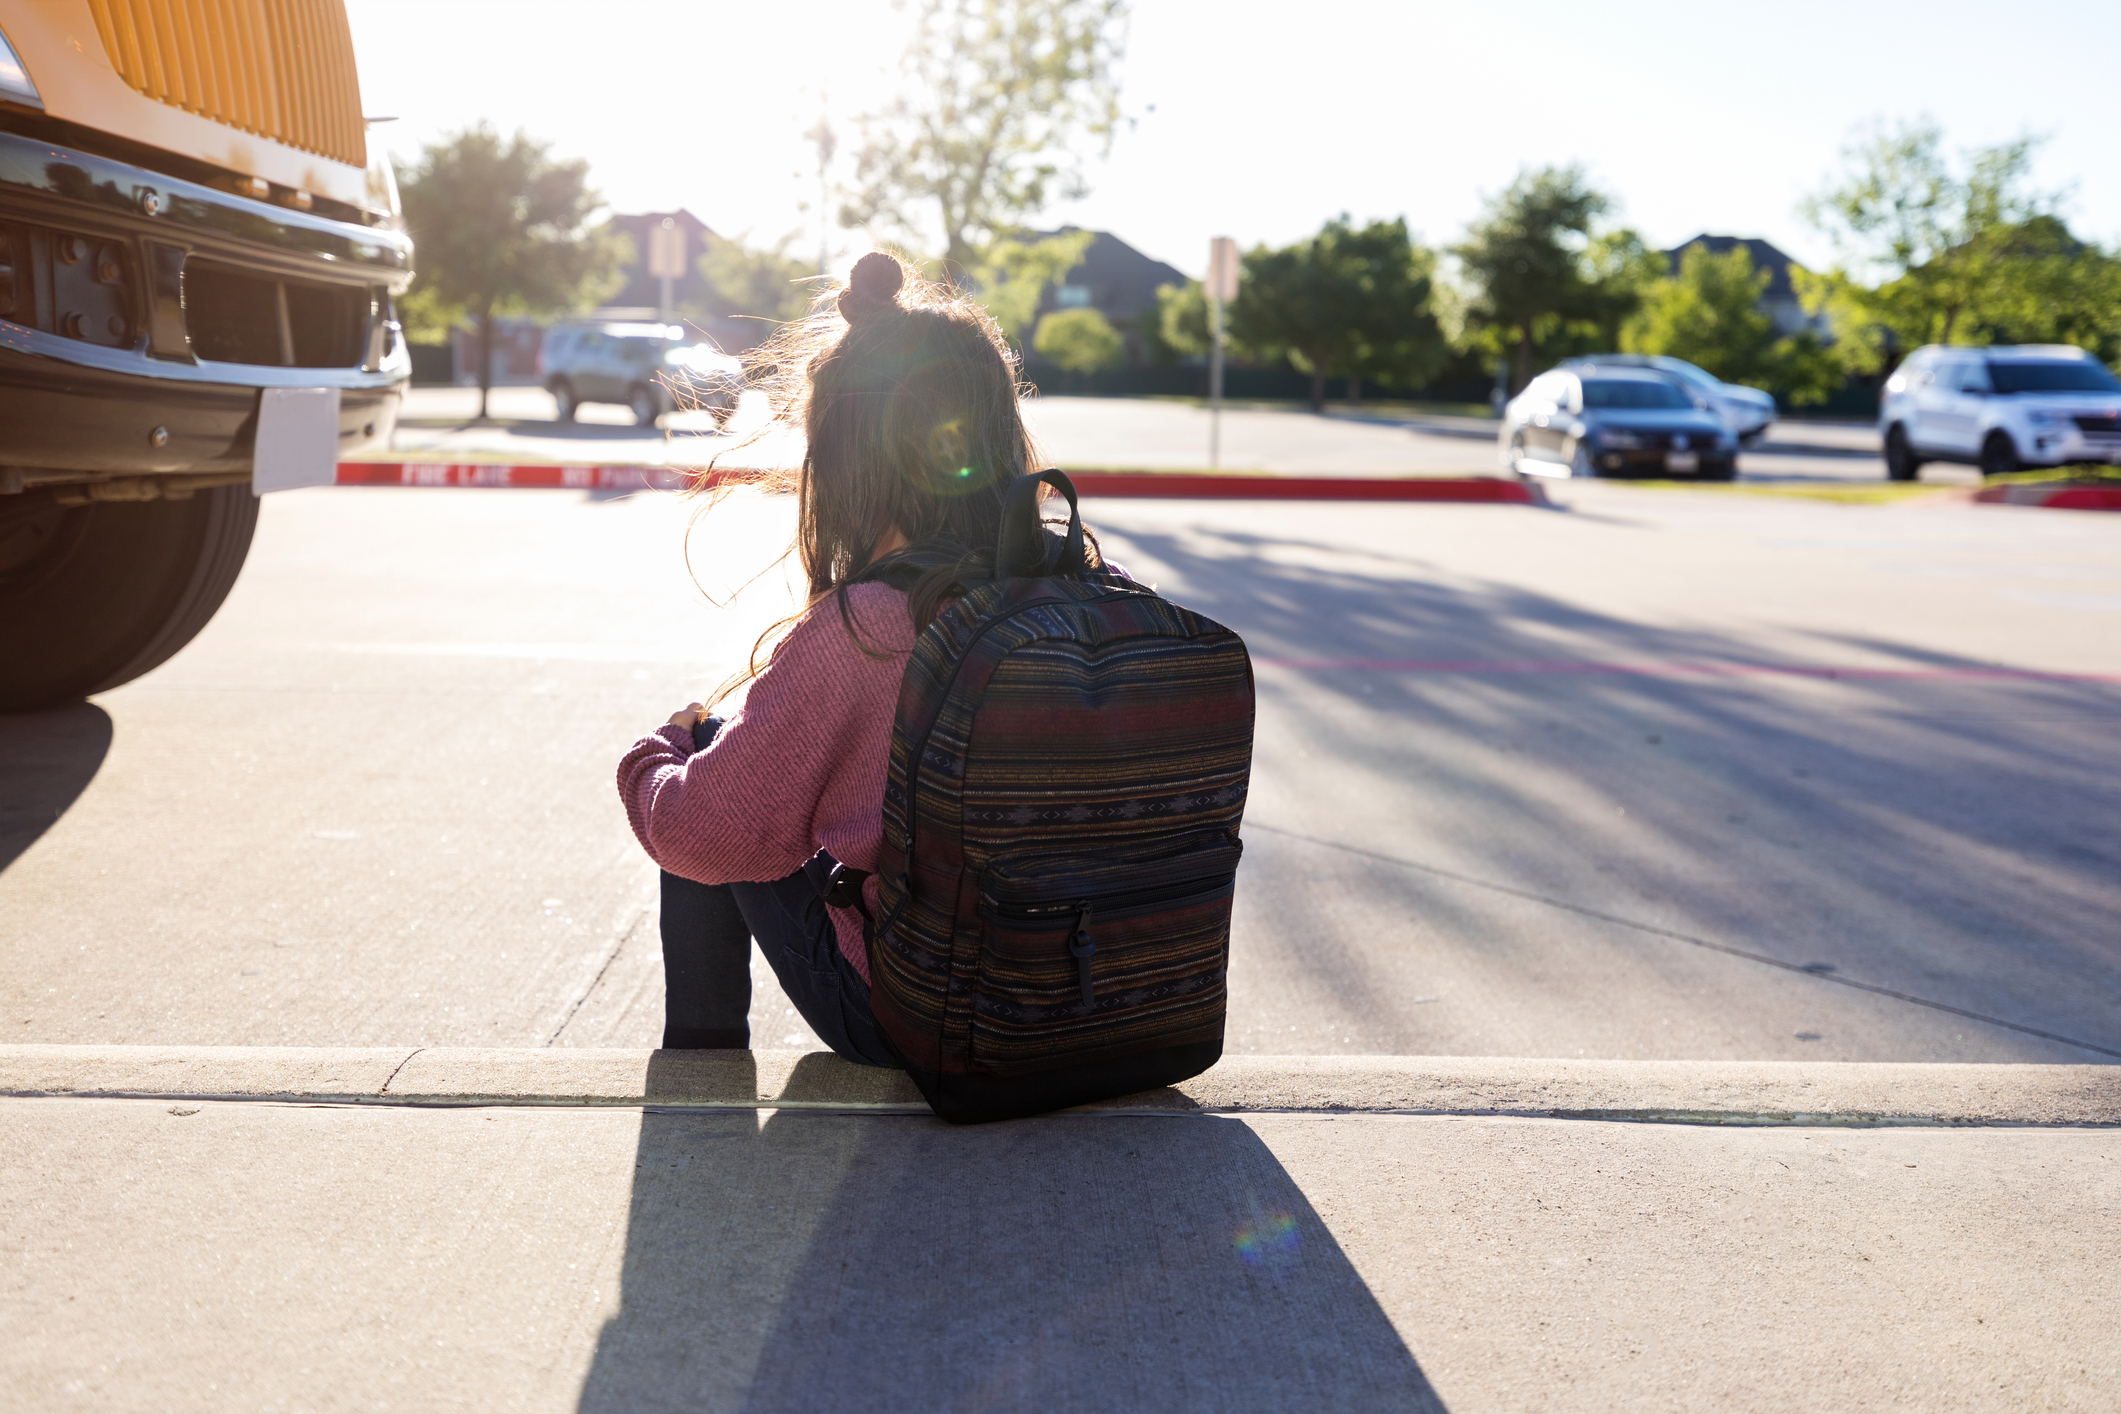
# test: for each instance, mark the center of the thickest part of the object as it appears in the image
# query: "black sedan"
(1605, 420)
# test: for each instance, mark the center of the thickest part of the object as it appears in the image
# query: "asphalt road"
(1140, 433)
(1663, 774)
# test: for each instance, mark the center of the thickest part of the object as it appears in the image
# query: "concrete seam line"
(1727, 949)
(385, 1089)
(1766, 1119)
(1738, 1119)
(290, 1100)
(618, 946)
(1670, 1091)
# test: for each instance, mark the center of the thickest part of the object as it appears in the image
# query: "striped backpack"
(1068, 769)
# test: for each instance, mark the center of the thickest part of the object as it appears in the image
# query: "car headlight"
(2041, 417)
(1614, 437)
(14, 79)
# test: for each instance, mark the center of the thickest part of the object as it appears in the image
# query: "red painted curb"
(1483, 489)
(573, 478)
(2054, 496)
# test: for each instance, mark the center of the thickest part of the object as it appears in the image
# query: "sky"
(1262, 121)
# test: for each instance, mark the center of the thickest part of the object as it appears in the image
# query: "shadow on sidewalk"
(46, 760)
(1921, 824)
(894, 1262)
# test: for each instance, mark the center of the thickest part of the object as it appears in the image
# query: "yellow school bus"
(200, 250)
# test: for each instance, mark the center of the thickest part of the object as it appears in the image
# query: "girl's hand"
(688, 717)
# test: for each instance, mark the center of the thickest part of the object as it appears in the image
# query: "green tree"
(1009, 276)
(1000, 98)
(1351, 302)
(1079, 340)
(1528, 267)
(1708, 313)
(1932, 251)
(751, 289)
(1147, 327)
(1619, 270)
(1803, 369)
(2044, 286)
(1401, 341)
(503, 229)
(1182, 320)
(1900, 207)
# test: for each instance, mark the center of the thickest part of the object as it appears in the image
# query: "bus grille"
(283, 69)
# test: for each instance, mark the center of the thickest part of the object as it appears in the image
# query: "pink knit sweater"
(800, 767)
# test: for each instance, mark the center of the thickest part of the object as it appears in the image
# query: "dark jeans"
(707, 934)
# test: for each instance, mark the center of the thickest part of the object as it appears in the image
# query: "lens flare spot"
(964, 473)
(1268, 1241)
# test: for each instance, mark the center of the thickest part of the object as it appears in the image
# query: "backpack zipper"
(1113, 904)
(1084, 947)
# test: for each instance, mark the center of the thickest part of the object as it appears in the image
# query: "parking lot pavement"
(1653, 774)
(1798, 450)
(207, 1255)
(1143, 433)
(1530, 779)
(524, 426)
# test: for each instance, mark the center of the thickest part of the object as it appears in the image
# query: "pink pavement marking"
(1477, 666)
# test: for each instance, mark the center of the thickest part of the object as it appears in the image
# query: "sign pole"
(1215, 382)
(1221, 286)
(666, 258)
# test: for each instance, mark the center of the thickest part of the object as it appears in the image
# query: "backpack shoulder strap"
(903, 569)
(838, 884)
(1024, 549)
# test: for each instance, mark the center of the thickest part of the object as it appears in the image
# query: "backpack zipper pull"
(1083, 946)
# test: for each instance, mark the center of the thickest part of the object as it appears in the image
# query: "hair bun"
(871, 285)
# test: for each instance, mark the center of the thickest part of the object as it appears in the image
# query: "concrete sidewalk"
(434, 1229)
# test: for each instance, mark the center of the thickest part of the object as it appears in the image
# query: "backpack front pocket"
(1093, 956)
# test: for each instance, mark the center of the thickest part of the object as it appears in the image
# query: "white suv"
(2002, 409)
(651, 368)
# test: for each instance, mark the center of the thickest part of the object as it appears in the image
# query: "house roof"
(642, 220)
(1765, 257)
(1122, 281)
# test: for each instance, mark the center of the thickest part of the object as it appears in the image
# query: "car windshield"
(1632, 393)
(643, 348)
(1679, 368)
(2056, 377)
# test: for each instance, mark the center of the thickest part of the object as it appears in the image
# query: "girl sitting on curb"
(908, 399)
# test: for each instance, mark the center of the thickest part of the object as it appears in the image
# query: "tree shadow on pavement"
(886, 1262)
(1932, 829)
(46, 760)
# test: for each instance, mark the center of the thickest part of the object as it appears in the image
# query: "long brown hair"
(908, 399)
